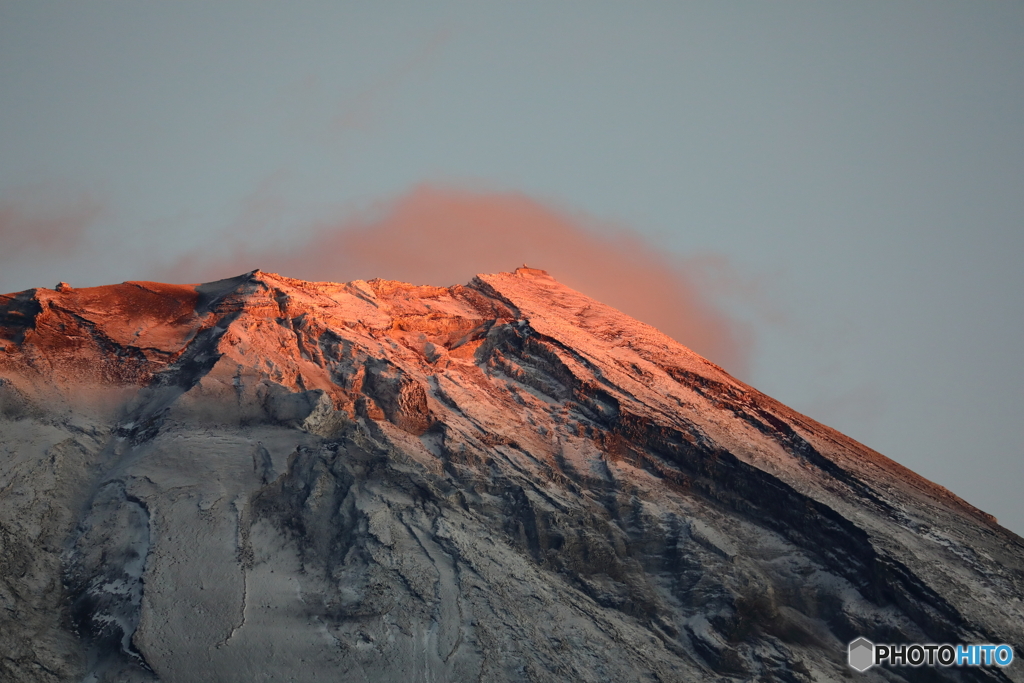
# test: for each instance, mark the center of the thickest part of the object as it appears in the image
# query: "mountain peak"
(470, 482)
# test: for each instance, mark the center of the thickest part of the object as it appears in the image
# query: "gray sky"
(845, 179)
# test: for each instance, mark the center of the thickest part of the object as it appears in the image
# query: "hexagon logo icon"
(862, 654)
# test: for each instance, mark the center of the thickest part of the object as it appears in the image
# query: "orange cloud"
(55, 230)
(443, 236)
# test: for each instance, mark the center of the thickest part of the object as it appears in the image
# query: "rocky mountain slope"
(264, 479)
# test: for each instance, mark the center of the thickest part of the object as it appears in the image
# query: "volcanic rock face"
(269, 479)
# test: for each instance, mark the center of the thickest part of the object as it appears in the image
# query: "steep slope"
(269, 479)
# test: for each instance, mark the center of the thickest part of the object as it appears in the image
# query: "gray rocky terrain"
(264, 479)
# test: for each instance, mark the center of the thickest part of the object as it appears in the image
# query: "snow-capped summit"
(263, 478)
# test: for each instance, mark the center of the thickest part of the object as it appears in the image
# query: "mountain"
(265, 479)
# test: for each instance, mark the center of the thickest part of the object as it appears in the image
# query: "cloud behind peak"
(444, 236)
(45, 229)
